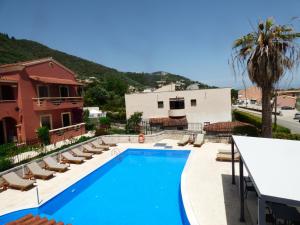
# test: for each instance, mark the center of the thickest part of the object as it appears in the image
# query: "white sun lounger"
(90, 149)
(52, 164)
(184, 140)
(96, 144)
(199, 140)
(36, 171)
(80, 153)
(69, 158)
(14, 181)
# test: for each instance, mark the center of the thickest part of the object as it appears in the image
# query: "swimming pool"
(139, 186)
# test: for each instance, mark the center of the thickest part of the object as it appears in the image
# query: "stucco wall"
(213, 105)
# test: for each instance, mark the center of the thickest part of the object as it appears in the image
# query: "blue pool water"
(137, 187)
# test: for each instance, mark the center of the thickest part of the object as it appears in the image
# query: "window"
(46, 121)
(193, 102)
(66, 119)
(43, 91)
(160, 104)
(64, 91)
(7, 92)
(176, 103)
(79, 91)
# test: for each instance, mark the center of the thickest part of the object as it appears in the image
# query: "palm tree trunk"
(266, 128)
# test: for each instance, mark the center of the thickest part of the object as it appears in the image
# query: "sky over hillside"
(192, 38)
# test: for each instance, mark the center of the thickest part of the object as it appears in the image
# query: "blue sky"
(188, 37)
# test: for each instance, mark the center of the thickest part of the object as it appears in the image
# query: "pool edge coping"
(189, 211)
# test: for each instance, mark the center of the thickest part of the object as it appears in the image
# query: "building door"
(64, 91)
(46, 121)
(2, 137)
(66, 119)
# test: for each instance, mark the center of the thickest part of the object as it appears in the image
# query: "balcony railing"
(48, 103)
(68, 132)
(176, 112)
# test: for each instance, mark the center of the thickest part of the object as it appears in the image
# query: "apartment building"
(186, 109)
(39, 93)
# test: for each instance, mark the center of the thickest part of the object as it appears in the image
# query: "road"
(286, 120)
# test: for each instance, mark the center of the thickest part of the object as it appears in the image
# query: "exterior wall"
(251, 93)
(213, 105)
(28, 117)
(284, 100)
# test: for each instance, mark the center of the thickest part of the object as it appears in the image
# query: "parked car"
(287, 108)
(297, 116)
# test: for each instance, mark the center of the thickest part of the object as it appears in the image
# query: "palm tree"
(267, 54)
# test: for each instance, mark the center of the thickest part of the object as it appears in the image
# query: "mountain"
(14, 50)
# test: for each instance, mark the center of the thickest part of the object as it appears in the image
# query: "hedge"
(256, 121)
(281, 135)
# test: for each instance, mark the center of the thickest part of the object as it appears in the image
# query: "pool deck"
(208, 195)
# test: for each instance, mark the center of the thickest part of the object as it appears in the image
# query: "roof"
(169, 122)
(21, 65)
(273, 165)
(51, 80)
(224, 127)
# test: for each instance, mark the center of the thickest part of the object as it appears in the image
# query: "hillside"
(14, 50)
(107, 91)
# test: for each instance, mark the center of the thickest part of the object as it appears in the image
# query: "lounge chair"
(226, 157)
(69, 158)
(96, 144)
(184, 140)
(90, 149)
(199, 140)
(14, 181)
(3, 184)
(108, 144)
(52, 164)
(36, 171)
(80, 153)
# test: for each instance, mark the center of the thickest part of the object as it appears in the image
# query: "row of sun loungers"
(75, 155)
(197, 143)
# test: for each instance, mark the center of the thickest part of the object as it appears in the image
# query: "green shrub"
(104, 122)
(7, 149)
(248, 130)
(5, 164)
(89, 125)
(287, 136)
(256, 121)
(117, 131)
(100, 131)
(43, 135)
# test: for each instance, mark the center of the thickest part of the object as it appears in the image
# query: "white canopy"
(274, 166)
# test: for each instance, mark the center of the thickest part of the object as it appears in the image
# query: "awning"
(168, 122)
(52, 80)
(224, 127)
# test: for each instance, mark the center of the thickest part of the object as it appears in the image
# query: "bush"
(5, 164)
(100, 131)
(89, 125)
(117, 131)
(287, 136)
(247, 130)
(43, 135)
(133, 123)
(104, 122)
(256, 121)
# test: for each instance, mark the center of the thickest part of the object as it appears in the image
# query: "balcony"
(176, 112)
(68, 132)
(49, 103)
(9, 108)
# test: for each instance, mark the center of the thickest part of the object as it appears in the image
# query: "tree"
(133, 123)
(267, 54)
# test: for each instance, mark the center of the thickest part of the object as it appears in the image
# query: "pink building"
(39, 93)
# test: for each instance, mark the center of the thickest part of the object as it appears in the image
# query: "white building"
(95, 112)
(180, 109)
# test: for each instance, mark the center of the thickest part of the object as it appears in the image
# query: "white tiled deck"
(208, 193)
